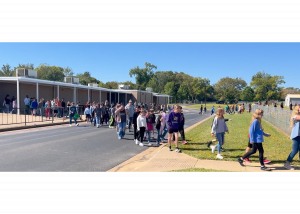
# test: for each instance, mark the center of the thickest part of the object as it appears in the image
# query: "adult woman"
(295, 136)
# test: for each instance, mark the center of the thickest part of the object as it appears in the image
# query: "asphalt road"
(71, 149)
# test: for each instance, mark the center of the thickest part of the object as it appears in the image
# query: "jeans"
(72, 117)
(296, 149)
(58, 112)
(27, 109)
(164, 132)
(220, 138)
(149, 134)
(122, 128)
(98, 119)
(129, 122)
(7, 108)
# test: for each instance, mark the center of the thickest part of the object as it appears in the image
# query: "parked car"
(220, 102)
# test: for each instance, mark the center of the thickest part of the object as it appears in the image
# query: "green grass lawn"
(276, 148)
(208, 106)
(198, 170)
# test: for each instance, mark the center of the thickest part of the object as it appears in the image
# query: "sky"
(112, 61)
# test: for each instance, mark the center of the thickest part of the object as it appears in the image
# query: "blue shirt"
(256, 132)
(296, 129)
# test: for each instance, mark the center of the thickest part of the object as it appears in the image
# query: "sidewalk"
(10, 122)
(160, 159)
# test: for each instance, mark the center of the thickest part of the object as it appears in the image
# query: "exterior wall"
(26, 89)
(82, 96)
(295, 100)
(95, 96)
(8, 89)
(149, 97)
(46, 92)
(66, 94)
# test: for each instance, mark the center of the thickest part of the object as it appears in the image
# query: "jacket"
(219, 126)
(256, 132)
(135, 116)
(118, 116)
(34, 105)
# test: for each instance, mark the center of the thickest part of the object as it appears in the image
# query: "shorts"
(55, 111)
(171, 131)
(88, 116)
(34, 111)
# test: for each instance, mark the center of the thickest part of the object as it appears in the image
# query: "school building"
(22, 86)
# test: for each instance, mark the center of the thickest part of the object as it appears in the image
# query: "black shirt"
(63, 104)
(7, 101)
(135, 116)
(123, 116)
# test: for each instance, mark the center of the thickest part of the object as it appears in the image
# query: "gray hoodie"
(218, 126)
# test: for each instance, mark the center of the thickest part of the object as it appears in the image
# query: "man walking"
(130, 108)
(26, 102)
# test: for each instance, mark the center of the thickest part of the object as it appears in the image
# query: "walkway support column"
(110, 97)
(58, 91)
(100, 97)
(37, 92)
(74, 96)
(88, 95)
(18, 96)
(118, 97)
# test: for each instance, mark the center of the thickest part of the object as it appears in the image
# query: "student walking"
(181, 129)
(121, 114)
(212, 110)
(204, 109)
(106, 115)
(112, 116)
(134, 123)
(6, 103)
(97, 113)
(218, 129)
(73, 112)
(149, 117)
(34, 106)
(295, 136)
(173, 121)
(141, 127)
(201, 110)
(256, 138)
(87, 113)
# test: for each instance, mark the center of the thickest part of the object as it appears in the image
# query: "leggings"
(259, 147)
(141, 134)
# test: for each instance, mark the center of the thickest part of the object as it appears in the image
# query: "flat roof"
(293, 95)
(47, 82)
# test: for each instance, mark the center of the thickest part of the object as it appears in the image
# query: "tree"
(247, 94)
(183, 91)
(266, 87)
(68, 72)
(170, 89)
(112, 85)
(51, 73)
(26, 66)
(142, 75)
(7, 71)
(227, 86)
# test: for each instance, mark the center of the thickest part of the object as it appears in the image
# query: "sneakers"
(266, 161)
(97, 125)
(240, 161)
(70, 125)
(149, 144)
(213, 149)
(209, 143)
(170, 150)
(222, 149)
(288, 166)
(265, 168)
(177, 150)
(137, 142)
(184, 142)
(77, 124)
(119, 138)
(247, 160)
(219, 156)
(141, 144)
(174, 142)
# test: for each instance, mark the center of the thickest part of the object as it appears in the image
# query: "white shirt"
(26, 101)
(141, 122)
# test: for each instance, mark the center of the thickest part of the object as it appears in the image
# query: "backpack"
(158, 122)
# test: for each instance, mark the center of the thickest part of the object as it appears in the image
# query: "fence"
(278, 117)
(27, 115)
